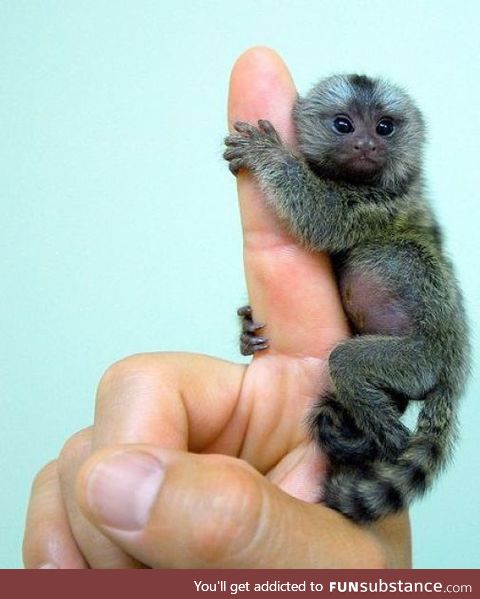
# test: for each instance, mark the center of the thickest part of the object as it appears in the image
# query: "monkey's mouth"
(365, 159)
(361, 169)
(365, 163)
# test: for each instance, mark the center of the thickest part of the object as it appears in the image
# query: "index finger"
(291, 289)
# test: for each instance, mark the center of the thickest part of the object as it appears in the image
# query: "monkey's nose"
(365, 144)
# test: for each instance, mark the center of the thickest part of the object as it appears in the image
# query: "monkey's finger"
(236, 141)
(48, 541)
(266, 126)
(269, 129)
(290, 289)
(233, 153)
(235, 165)
(245, 128)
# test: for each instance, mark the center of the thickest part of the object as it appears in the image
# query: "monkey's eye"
(342, 124)
(385, 127)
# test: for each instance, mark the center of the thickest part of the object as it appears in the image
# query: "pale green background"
(119, 226)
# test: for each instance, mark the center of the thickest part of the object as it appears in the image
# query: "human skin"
(196, 462)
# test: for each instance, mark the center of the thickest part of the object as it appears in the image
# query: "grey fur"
(359, 196)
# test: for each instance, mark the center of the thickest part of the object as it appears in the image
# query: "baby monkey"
(353, 188)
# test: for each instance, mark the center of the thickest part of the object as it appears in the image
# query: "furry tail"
(370, 492)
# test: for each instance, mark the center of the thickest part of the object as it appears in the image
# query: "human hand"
(227, 441)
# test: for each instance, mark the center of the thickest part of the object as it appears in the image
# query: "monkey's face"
(360, 130)
(359, 144)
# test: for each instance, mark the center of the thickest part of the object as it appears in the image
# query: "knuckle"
(74, 448)
(29, 548)
(45, 474)
(122, 373)
(231, 521)
(37, 529)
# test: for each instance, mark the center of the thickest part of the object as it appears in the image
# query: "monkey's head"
(360, 130)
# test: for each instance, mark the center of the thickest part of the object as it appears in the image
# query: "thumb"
(171, 509)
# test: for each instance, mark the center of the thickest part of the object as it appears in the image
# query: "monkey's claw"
(245, 311)
(249, 341)
(250, 344)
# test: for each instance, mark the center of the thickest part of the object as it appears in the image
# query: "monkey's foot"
(249, 341)
(338, 433)
(382, 424)
(250, 145)
(392, 440)
(338, 436)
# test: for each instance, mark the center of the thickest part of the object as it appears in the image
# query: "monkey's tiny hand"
(251, 145)
(249, 341)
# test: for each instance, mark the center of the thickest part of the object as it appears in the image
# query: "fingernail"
(48, 566)
(121, 490)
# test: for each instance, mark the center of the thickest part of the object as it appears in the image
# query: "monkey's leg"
(360, 422)
(249, 341)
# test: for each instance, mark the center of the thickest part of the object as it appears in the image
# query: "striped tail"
(373, 491)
